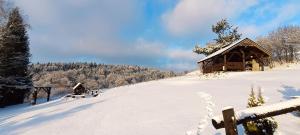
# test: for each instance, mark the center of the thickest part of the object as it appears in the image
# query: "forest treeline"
(63, 76)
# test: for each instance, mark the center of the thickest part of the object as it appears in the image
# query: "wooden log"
(260, 112)
(229, 121)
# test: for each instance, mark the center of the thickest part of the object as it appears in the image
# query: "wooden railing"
(219, 67)
(234, 65)
(211, 68)
(229, 120)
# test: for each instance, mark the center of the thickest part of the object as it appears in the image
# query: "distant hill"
(63, 76)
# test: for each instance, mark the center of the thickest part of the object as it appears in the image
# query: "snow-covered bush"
(265, 126)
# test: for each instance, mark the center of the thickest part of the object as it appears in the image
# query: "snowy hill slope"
(176, 106)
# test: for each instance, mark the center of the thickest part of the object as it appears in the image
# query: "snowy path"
(205, 121)
(176, 106)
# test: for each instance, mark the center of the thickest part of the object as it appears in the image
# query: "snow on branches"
(209, 49)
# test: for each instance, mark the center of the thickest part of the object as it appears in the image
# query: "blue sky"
(152, 33)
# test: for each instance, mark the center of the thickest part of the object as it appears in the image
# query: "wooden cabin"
(241, 55)
(79, 89)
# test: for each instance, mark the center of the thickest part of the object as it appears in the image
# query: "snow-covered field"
(176, 106)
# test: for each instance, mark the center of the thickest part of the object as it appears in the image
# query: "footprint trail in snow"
(204, 122)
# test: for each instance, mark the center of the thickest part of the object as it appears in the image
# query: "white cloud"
(281, 16)
(39, 11)
(181, 54)
(182, 66)
(249, 30)
(90, 30)
(182, 59)
(141, 49)
(69, 28)
(197, 16)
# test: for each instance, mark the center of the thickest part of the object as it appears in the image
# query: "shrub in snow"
(266, 126)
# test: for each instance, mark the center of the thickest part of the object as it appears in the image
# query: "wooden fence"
(230, 119)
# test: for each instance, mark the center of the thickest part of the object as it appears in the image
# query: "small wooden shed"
(79, 89)
(241, 55)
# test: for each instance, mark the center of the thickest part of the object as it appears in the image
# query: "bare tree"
(284, 43)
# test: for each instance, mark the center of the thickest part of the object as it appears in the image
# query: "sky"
(150, 33)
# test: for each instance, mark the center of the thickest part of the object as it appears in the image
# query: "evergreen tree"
(266, 126)
(14, 57)
(226, 34)
(252, 101)
(260, 98)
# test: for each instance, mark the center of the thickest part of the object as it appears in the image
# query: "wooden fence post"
(48, 93)
(229, 121)
(34, 97)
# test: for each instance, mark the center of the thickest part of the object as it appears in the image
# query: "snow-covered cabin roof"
(231, 46)
(77, 85)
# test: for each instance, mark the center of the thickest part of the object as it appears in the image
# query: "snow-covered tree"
(14, 56)
(226, 34)
(252, 101)
(209, 49)
(265, 126)
(283, 42)
(260, 98)
(94, 76)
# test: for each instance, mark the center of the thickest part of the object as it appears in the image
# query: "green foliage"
(14, 56)
(266, 126)
(252, 101)
(260, 98)
(226, 34)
